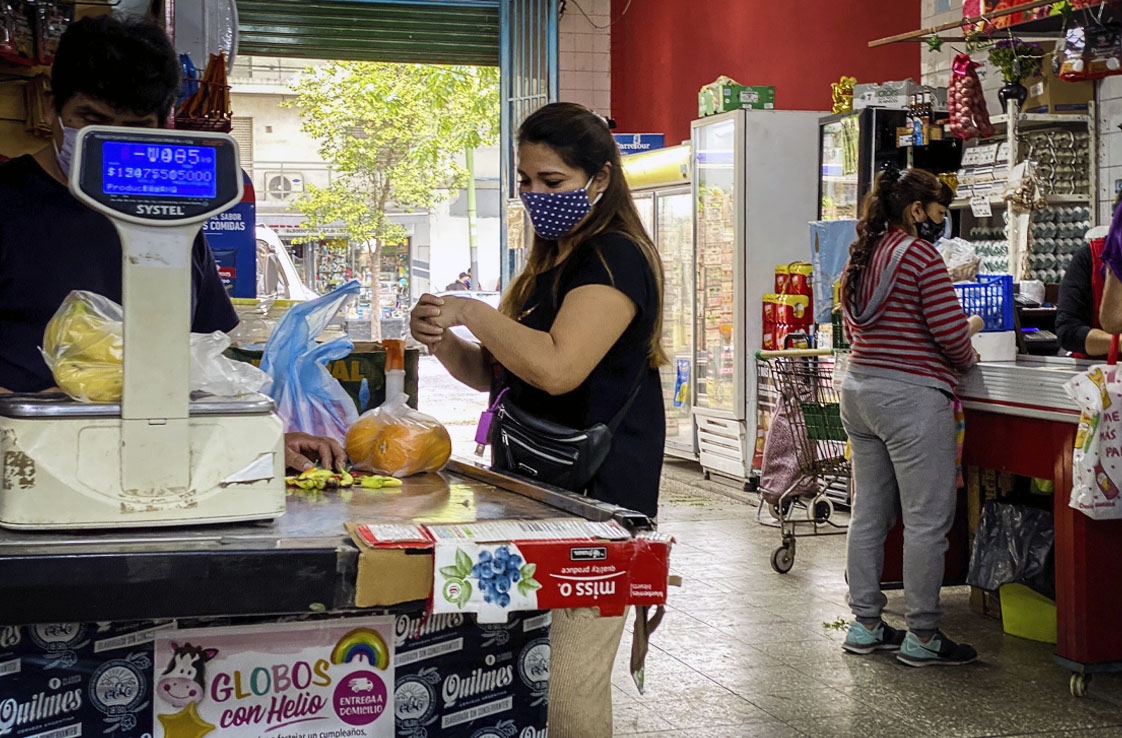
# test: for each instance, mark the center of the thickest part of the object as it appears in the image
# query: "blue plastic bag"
(308, 398)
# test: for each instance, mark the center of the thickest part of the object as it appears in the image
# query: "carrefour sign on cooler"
(636, 143)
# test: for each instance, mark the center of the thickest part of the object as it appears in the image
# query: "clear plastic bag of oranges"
(396, 440)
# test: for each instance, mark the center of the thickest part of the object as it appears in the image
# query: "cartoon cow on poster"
(184, 680)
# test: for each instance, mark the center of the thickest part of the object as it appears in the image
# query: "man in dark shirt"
(107, 71)
(113, 72)
(1077, 314)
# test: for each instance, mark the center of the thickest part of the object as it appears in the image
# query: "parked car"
(491, 298)
(277, 275)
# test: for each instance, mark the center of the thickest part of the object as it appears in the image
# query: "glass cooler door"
(675, 244)
(718, 151)
(841, 159)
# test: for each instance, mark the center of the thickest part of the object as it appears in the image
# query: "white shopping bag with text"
(1097, 461)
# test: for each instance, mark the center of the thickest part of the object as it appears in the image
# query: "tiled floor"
(743, 651)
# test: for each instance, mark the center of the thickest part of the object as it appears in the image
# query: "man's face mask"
(65, 155)
(555, 214)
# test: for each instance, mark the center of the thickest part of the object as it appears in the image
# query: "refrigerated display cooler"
(660, 185)
(754, 187)
(852, 147)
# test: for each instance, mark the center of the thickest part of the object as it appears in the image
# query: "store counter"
(125, 616)
(1020, 420)
(302, 562)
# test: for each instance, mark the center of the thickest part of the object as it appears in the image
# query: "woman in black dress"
(579, 328)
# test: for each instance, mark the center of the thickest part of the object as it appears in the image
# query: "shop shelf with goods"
(754, 187)
(1037, 245)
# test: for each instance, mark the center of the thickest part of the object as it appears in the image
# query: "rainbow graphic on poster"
(362, 642)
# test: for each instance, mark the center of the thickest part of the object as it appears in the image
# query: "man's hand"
(300, 448)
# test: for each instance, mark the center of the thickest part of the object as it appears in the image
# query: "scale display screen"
(158, 170)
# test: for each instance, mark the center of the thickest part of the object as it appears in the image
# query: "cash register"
(160, 457)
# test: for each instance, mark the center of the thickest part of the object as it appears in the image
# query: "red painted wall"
(663, 51)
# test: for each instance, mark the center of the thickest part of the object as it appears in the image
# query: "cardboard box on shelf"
(895, 95)
(725, 94)
(1050, 94)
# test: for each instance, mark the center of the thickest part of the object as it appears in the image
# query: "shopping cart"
(806, 444)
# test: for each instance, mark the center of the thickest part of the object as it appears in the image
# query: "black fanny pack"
(549, 452)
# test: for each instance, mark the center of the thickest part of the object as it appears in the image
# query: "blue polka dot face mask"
(554, 214)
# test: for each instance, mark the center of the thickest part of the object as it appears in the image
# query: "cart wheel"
(1079, 682)
(782, 559)
(781, 510)
(821, 510)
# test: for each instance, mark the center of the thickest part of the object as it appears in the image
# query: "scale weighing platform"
(157, 458)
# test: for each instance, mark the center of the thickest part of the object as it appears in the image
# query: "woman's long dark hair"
(885, 207)
(583, 141)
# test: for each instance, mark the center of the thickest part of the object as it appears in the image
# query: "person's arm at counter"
(1075, 309)
(943, 314)
(591, 319)
(1110, 312)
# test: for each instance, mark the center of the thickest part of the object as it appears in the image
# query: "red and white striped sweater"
(906, 323)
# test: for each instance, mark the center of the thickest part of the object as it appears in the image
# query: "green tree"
(391, 133)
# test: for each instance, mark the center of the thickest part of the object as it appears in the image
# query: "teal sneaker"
(939, 651)
(859, 639)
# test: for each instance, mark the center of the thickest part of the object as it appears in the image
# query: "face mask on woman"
(929, 230)
(555, 214)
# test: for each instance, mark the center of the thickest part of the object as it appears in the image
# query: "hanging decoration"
(934, 44)
(842, 94)
(965, 101)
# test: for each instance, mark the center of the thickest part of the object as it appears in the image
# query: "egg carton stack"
(1062, 157)
(1057, 233)
(991, 243)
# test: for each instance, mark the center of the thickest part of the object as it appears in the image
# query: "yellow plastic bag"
(84, 349)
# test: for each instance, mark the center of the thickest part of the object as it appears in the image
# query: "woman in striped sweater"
(910, 339)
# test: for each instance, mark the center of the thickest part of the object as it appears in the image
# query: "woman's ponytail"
(883, 208)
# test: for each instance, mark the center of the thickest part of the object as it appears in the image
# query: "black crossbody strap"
(613, 424)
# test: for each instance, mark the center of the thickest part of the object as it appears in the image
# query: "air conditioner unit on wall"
(283, 186)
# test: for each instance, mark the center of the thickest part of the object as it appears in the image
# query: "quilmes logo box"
(496, 682)
(493, 569)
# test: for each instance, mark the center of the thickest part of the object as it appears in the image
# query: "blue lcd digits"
(158, 170)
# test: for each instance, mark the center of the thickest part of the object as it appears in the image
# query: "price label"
(980, 206)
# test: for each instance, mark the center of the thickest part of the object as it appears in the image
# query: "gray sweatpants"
(903, 451)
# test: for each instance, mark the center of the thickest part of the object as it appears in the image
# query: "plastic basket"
(991, 299)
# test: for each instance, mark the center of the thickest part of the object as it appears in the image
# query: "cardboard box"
(547, 564)
(459, 679)
(394, 564)
(64, 680)
(895, 95)
(366, 363)
(1049, 94)
(722, 96)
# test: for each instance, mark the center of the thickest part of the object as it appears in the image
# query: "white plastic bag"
(956, 252)
(83, 347)
(1097, 461)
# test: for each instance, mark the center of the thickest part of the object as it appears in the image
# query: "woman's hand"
(299, 448)
(422, 323)
(976, 324)
(451, 312)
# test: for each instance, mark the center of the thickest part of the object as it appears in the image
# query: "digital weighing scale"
(161, 457)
